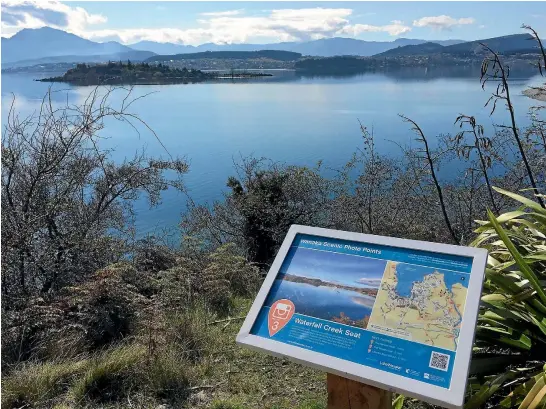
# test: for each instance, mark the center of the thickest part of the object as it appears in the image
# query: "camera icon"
(282, 311)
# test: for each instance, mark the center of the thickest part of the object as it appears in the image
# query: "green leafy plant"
(510, 349)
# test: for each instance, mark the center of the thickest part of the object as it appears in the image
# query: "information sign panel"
(393, 313)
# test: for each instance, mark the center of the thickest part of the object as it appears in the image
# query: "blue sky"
(262, 22)
(335, 267)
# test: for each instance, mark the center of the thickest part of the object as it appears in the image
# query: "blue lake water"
(321, 302)
(288, 118)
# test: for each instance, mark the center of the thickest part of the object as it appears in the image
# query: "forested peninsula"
(142, 74)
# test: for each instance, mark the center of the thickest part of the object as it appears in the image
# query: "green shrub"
(107, 306)
(78, 320)
(211, 279)
(512, 322)
(228, 274)
(264, 200)
(152, 256)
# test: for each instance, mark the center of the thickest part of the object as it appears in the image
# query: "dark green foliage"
(263, 194)
(140, 73)
(120, 73)
(265, 200)
(513, 307)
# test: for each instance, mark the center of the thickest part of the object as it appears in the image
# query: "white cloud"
(279, 25)
(222, 13)
(442, 22)
(231, 26)
(17, 15)
(396, 28)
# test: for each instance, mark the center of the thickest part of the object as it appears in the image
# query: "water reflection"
(521, 72)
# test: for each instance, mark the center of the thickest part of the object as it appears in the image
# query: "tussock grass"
(38, 384)
(188, 360)
(109, 375)
(191, 333)
(166, 378)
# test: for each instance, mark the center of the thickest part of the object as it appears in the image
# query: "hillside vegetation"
(92, 318)
(420, 49)
(520, 51)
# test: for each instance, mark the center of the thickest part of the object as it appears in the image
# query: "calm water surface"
(322, 302)
(288, 118)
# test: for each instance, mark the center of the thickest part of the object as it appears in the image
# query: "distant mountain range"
(31, 44)
(519, 43)
(327, 47)
(48, 45)
(133, 55)
(51, 46)
(277, 55)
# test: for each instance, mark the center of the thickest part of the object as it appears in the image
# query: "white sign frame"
(449, 398)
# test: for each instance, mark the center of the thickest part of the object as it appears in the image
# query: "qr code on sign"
(439, 361)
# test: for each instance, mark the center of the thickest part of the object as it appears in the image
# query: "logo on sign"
(279, 314)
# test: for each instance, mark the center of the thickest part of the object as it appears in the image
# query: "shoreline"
(538, 93)
(166, 81)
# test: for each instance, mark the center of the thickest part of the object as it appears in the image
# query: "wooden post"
(348, 394)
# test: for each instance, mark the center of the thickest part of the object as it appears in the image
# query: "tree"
(493, 69)
(66, 204)
(429, 160)
(263, 202)
(367, 195)
(479, 143)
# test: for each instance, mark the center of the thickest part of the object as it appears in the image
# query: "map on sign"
(421, 304)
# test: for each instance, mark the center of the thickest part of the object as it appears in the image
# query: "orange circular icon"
(279, 314)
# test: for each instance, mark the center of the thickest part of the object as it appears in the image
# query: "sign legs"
(348, 394)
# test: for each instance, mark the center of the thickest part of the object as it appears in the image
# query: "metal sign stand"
(348, 394)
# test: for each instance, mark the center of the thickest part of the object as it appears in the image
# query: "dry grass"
(188, 362)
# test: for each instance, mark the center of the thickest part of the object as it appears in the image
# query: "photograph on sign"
(398, 309)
